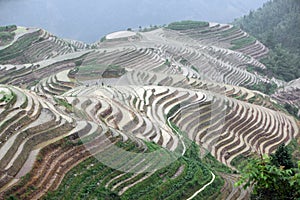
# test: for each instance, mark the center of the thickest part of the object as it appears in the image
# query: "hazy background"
(89, 20)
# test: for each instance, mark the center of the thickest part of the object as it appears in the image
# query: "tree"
(282, 158)
(270, 178)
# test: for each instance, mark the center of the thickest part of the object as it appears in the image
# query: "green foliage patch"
(88, 179)
(188, 24)
(266, 88)
(7, 34)
(276, 25)
(274, 177)
(17, 49)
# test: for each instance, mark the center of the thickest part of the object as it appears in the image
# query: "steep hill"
(276, 25)
(31, 45)
(138, 115)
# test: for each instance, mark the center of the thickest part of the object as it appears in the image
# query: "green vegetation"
(177, 181)
(294, 147)
(96, 71)
(282, 157)
(167, 63)
(291, 109)
(89, 69)
(194, 68)
(214, 164)
(150, 28)
(174, 109)
(163, 184)
(185, 25)
(229, 31)
(152, 146)
(6, 97)
(64, 103)
(282, 64)
(7, 34)
(240, 162)
(242, 42)
(277, 24)
(8, 28)
(266, 88)
(103, 39)
(273, 177)
(184, 61)
(78, 62)
(251, 68)
(16, 50)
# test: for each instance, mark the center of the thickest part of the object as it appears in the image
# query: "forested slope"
(276, 25)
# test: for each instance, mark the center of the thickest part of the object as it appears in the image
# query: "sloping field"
(163, 115)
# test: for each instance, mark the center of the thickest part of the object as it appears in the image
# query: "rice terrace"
(168, 112)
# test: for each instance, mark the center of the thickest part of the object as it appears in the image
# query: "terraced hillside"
(290, 95)
(163, 114)
(32, 44)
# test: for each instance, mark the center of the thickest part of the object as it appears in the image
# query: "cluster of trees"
(277, 24)
(272, 177)
(293, 110)
(266, 88)
(282, 64)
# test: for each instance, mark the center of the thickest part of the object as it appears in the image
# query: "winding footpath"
(203, 188)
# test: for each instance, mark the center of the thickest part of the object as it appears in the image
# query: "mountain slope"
(277, 24)
(163, 113)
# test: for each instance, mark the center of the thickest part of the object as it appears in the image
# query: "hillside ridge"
(165, 113)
